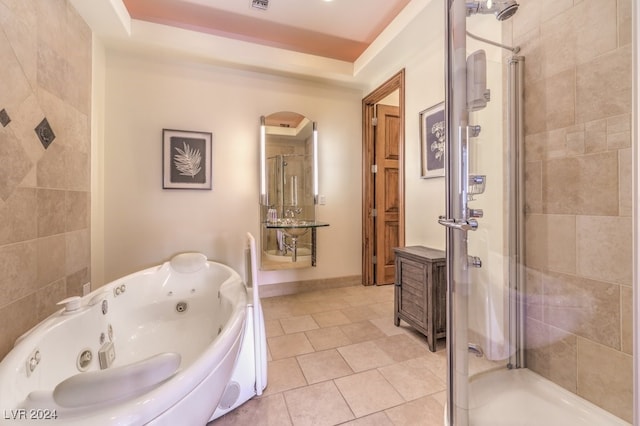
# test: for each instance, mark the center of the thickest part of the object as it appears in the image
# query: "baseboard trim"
(295, 287)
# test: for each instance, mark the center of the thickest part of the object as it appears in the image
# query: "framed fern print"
(186, 159)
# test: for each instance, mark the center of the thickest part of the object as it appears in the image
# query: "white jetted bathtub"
(177, 344)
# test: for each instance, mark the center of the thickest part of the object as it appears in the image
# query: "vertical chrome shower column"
(456, 171)
(515, 194)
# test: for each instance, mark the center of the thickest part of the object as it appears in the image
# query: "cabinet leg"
(396, 321)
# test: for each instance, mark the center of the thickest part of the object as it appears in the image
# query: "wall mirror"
(288, 191)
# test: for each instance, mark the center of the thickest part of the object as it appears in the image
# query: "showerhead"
(502, 9)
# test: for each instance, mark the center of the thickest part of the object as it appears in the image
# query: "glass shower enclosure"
(539, 324)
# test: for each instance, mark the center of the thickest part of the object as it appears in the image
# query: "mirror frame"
(289, 124)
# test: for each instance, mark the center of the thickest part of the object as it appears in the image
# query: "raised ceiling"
(349, 42)
(338, 29)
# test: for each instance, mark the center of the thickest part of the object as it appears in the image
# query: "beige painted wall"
(424, 198)
(420, 51)
(45, 52)
(145, 224)
(145, 95)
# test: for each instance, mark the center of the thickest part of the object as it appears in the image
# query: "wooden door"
(385, 204)
(387, 191)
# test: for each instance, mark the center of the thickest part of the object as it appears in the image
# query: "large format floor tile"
(336, 358)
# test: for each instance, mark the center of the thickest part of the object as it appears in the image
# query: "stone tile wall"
(45, 52)
(578, 195)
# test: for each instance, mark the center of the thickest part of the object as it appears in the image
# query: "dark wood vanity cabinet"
(421, 291)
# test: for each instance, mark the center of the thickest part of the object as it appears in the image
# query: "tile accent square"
(4, 117)
(45, 133)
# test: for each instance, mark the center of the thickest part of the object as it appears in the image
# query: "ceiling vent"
(260, 4)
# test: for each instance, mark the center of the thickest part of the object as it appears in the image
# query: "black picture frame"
(433, 138)
(186, 159)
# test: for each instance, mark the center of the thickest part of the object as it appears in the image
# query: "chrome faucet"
(290, 213)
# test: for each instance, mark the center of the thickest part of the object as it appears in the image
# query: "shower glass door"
(481, 254)
(538, 216)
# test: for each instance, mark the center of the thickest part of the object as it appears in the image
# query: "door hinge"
(374, 260)
(374, 121)
(374, 212)
(374, 168)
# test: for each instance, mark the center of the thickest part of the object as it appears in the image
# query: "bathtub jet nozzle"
(106, 355)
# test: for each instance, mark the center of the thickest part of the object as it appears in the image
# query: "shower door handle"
(463, 225)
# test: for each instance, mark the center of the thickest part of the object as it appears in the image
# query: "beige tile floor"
(336, 358)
